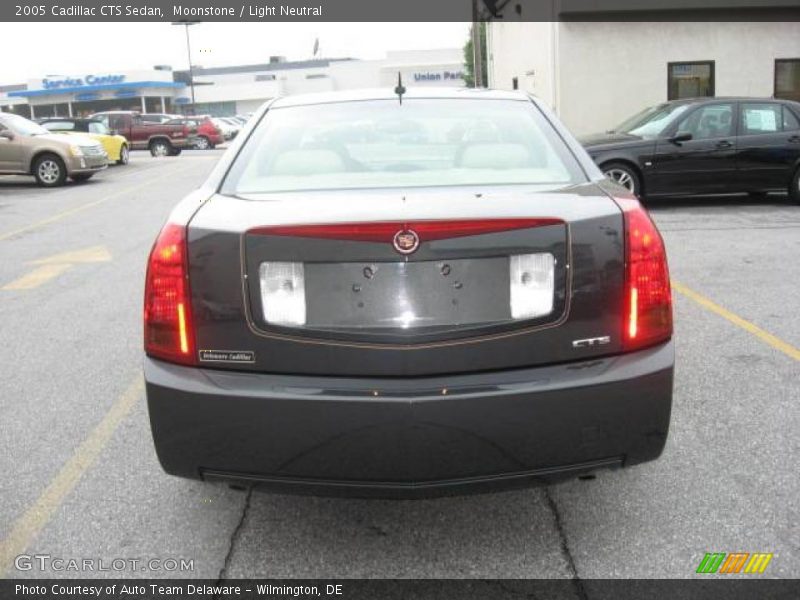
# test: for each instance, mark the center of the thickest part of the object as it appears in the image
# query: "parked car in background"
(229, 131)
(235, 121)
(115, 145)
(27, 148)
(207, 134)
(341, 310)
(162, 139)
(704, 146)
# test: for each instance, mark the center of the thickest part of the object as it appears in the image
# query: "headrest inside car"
(495, 156)
(307, 162)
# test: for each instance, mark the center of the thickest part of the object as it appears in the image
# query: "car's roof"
(388, 93)
(702, 99)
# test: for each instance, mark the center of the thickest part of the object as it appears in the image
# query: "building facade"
(595, 74)
(225, 91)
(242, 89)
(85, 93)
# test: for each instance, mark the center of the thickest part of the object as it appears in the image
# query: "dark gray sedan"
(402, 296)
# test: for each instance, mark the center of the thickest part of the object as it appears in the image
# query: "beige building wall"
(525, 51)
(603, 72)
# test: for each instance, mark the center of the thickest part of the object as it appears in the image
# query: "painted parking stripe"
(37, 277)
(53, 266)
(764, 336)
(27, 527)
(68, 213)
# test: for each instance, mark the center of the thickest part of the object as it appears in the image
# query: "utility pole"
(477, 50)
(188, 24)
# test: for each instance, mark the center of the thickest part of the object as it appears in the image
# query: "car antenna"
(400, 89)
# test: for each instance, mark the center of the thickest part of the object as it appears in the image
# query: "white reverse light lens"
(283, 293)
(532, 284)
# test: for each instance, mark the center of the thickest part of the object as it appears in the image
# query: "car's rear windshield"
(385, 144)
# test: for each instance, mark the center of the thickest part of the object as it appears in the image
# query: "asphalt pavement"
(82, 479)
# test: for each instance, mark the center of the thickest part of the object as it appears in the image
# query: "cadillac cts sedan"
(705, 146)
(404, 295)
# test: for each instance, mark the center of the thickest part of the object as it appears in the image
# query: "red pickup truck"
(160, 139)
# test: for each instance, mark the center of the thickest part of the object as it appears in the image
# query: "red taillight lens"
(648, 298)
(168, 325)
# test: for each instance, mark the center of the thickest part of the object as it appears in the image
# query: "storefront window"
(787, 79)
(690, 79)
(216, 109)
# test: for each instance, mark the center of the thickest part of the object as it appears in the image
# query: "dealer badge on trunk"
(405, 241)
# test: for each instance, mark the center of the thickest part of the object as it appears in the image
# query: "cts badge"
(591, 342)
(405, 241)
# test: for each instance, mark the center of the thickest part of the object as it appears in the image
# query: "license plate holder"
(403, 295)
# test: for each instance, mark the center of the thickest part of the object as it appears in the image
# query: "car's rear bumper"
(409, 437)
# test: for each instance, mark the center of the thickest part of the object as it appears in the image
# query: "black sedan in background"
(704, 146)
(389, 297)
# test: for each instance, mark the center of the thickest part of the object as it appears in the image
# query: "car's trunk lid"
(369, 308)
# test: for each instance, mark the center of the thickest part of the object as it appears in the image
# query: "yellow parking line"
(764, 336)
(54, 265)
(37, 277)
(28, 526)
(82, 207)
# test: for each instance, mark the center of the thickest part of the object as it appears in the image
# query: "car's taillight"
(168, 325)
(648, 298)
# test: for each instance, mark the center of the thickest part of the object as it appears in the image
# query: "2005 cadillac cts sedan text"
(408, 295)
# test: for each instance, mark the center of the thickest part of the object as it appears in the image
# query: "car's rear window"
(385, 144)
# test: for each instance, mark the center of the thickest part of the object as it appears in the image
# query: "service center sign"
(68, 82)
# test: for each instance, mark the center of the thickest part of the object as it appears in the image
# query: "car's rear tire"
(124, 155)
(794, 187)
(202, 143)
(160, 148)
(624, 175)
(80, 177)
(176, 151)
(49, 170)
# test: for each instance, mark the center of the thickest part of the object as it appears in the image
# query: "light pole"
(477, 49)
(188, 24)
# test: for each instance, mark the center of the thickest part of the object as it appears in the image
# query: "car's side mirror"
(9, 135)
(680, 137)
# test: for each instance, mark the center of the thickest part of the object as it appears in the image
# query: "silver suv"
(27, 148)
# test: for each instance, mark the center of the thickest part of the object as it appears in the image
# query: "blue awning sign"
(129, 85)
